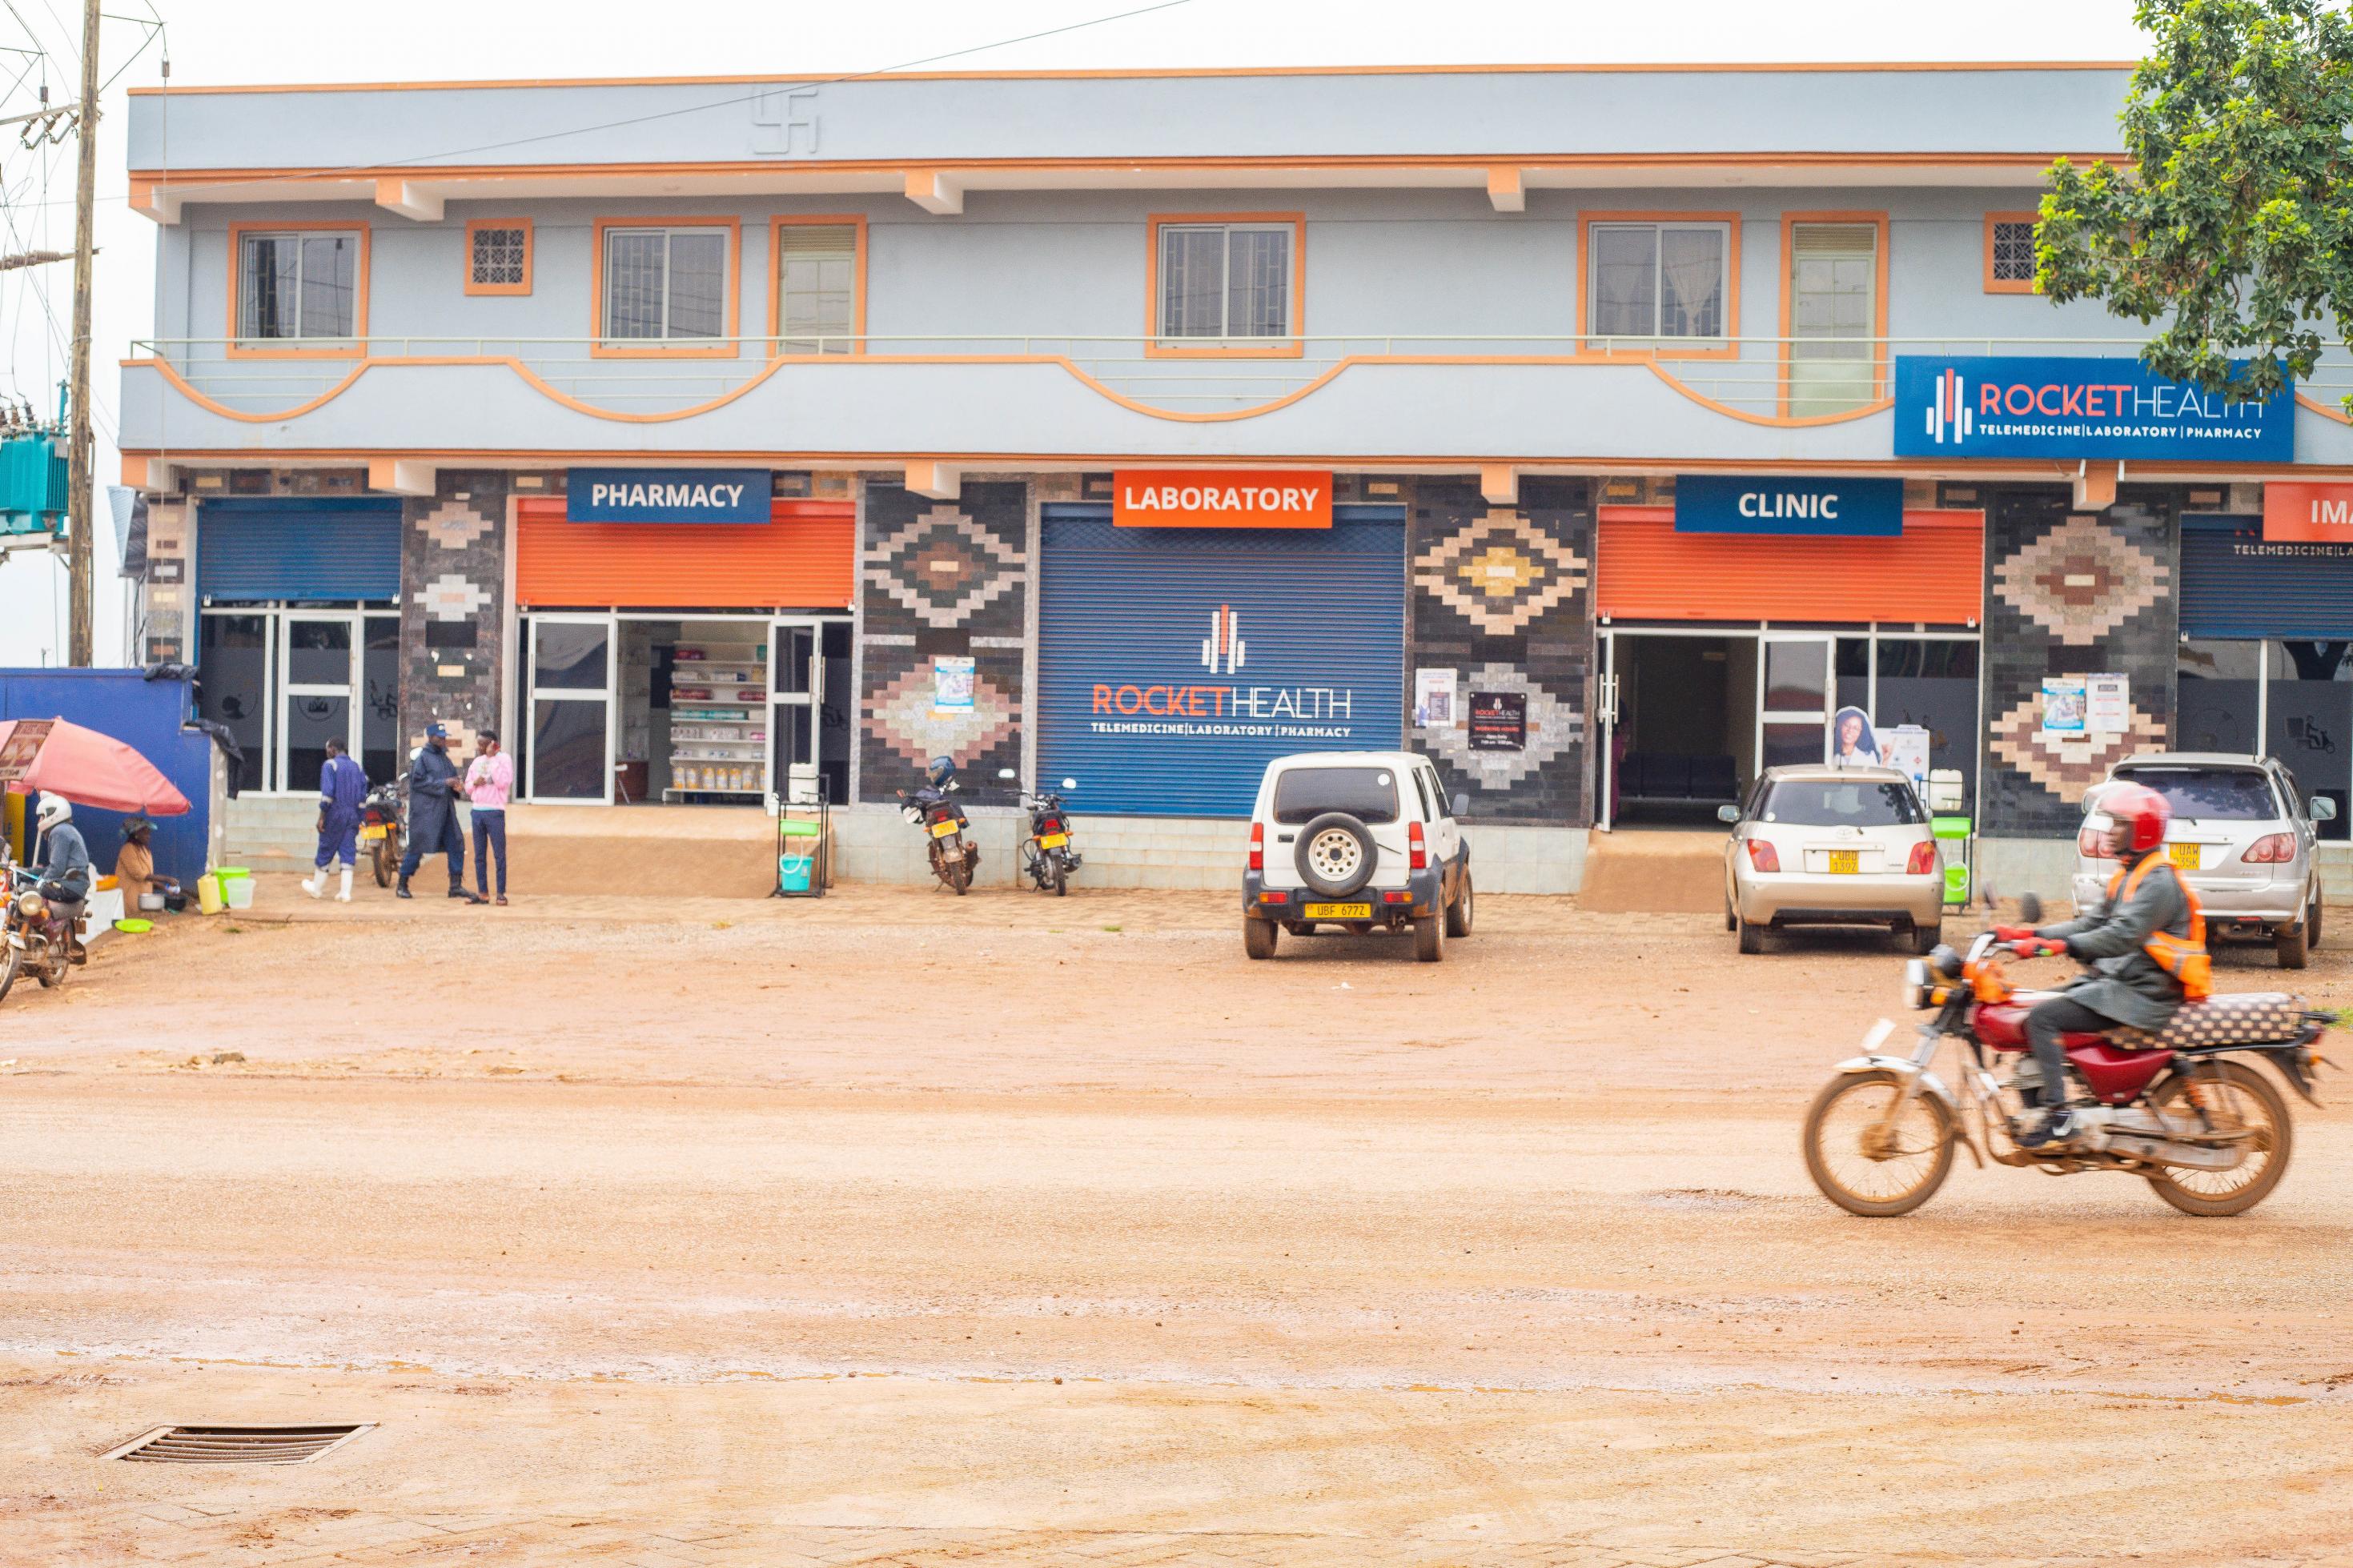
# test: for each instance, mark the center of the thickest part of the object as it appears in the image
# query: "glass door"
(572, 685)
(796, 691)
(318, 678)
(1793, 699)
(234, 651)
(1605, 708)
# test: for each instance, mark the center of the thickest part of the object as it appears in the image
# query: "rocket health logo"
(1192, 708)
(2098, 410)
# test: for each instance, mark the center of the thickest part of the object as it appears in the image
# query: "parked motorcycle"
(383, 831)
(2210, 1133)
(946, 830)
(1046, 857)
(40, 933)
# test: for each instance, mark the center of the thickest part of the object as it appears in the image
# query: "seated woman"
(134, 867)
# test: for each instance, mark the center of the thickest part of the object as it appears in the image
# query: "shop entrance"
(636, 709)
(286, 680)
(1690, 717)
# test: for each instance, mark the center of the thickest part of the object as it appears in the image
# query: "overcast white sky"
(217, 41)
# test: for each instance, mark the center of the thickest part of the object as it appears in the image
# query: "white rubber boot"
(344, 895)
(315, 884)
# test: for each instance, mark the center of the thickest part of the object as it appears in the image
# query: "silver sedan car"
(1823, 846)
(2241, 835)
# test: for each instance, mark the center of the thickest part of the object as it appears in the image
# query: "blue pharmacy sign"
(1727, 503)
(2099, 410)
(666, 495)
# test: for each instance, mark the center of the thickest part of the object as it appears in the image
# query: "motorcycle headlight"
(1915, 983)
(31, 905)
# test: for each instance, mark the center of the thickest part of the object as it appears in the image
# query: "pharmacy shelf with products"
(718, 719)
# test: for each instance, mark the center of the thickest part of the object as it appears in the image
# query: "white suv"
(1356, 839)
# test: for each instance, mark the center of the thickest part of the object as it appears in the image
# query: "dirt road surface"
(896, 1228)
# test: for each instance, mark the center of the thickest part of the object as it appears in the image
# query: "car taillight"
(1763, 855)
(1924, 858)
(1417, 851)
(2092, 844)
(2271, 849)
(1257, 846)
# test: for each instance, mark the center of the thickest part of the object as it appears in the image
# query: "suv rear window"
(1303, 794)
(2215, 795)
(1833, 803)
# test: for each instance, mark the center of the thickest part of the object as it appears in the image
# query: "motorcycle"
(383, 831)
(1046, 857)
(946, 830)
(40, 933)
(2210, 1134)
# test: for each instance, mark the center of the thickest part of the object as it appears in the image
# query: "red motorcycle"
(2210, 1133)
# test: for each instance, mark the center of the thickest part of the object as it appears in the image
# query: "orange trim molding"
(355, 348)
(1157, 347)
(776, 277)
(730, 347)
(1881, 370)
(1731, 348)
(2005, 285)
(530, 249)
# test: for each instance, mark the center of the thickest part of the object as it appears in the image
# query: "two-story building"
(1601, 432)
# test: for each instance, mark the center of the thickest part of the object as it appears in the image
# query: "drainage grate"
(235, 1445)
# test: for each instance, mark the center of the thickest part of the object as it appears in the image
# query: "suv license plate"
(1846, 862)
(2183, 855)
(1339, 911)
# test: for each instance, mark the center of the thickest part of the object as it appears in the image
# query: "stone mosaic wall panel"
(452, 595)
(1503, 597)
(2072, 593)
(941, 578)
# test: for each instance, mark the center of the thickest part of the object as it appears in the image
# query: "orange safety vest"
(2185, 960)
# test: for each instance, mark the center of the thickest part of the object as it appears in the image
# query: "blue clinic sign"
(2099, 410)
(666, 495)
(1854, 509)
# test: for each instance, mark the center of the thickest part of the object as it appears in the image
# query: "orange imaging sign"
(2308, 514)
(1209, 497)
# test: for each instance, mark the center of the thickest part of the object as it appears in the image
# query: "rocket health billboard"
(2094, 409)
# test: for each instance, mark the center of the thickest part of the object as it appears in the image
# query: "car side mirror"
(2322, 809)
(1729, 814)
(1460, 803)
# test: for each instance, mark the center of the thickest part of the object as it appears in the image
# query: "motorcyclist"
(2145, 943)
(65, 863)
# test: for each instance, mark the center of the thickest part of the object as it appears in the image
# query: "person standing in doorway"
(433, 815)
(343, 787)
(489, 781)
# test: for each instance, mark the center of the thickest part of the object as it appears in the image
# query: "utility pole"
(80, 519)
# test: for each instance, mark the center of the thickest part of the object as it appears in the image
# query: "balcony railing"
(1776, 380)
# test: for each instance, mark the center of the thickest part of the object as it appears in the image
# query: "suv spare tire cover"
(1368, 854)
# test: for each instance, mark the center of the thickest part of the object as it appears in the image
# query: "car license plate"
(1339, 911)
(941, 829)
(2183, 855)
(371, 832)
(1053, 840)
(1846, 862)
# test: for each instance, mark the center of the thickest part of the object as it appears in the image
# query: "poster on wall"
(1433, 699)
(1905, 748)
(1852, 743)
(951, 684)
(1499, 721)
(2063, 705)
(2108, 704)
(21, 744)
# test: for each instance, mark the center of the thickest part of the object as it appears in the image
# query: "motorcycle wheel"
(1846, 1115)
(1061, 876)
(52, 973)
(385, 860)
(2234, 1093)
(8, 971)
(956, 869)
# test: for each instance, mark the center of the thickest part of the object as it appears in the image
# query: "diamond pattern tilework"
(1500, 571)
(2067, 765)
(2082, 581)
(943, 566)
(901, 715)
(1554, 727)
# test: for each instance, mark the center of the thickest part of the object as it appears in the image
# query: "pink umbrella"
(56, 756)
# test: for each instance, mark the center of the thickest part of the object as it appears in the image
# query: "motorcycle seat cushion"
(2244, 1018)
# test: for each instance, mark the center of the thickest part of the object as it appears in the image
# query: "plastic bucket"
(237, 893)
(208, 895)
(792, 871)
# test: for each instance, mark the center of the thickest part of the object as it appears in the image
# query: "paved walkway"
(204, 1532)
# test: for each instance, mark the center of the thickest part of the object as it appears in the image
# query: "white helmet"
(55, 808)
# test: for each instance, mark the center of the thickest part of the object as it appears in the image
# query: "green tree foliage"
(2233, 224)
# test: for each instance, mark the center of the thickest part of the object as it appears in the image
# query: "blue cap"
(436, 733)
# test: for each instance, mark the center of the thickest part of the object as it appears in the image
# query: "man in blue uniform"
(343, 788)
(433, 815)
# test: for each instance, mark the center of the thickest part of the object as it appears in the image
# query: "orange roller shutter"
(1645, 570)
(800, 559)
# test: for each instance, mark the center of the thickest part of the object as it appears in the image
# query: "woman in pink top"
(490, 779)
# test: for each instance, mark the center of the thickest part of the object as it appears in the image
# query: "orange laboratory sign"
(2308, 514)
(1210, 498)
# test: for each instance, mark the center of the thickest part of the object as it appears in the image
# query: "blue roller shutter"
(334, 547)
(1174, 663)
(2234, 584)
